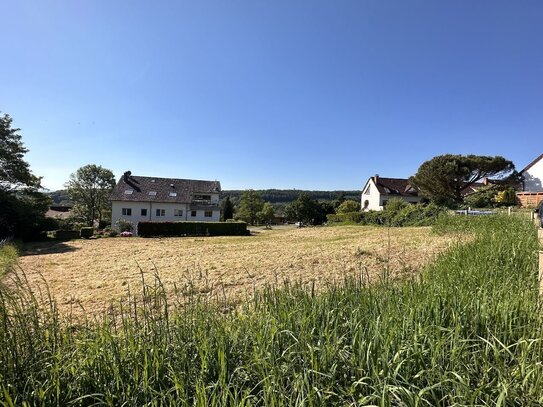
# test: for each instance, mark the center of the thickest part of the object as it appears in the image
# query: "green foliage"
(467, 332)
(396, 213)
(306, 210)
(8, 258)
(347, 206)
(22, 214)
(123, 225)
(266, 215)
(483, 198)
(507, 197)
(227, 210)
(89, 188)
(22, 207)
(87, 232)
(443, 178)
(14, 170)
(250, 205)
(283, 196)
(152, 229)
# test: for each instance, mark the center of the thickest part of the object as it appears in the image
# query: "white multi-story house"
(137, 199)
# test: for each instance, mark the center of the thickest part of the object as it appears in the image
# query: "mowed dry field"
(91, 274)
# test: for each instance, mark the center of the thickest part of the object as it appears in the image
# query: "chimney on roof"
(485, 181)
(127, 175)
(376, 178)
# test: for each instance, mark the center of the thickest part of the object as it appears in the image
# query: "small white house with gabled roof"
(378, 191)
(531, 193)
(533, 176)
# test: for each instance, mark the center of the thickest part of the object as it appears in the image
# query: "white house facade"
(137, 199)
(531, 191)
(533, 176)
(378, 191)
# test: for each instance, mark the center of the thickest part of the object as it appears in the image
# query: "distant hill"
(60, 197)
(275, 196)
(282, 196)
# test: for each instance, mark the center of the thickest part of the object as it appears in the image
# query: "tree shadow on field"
(51, 247)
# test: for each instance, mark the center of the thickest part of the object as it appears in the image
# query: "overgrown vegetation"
(8, 257)
(396, 213)
(467, 332)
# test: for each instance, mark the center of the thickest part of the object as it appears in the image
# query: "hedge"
(87, 232)
(66, 234)
(150, 229)
(396, 213)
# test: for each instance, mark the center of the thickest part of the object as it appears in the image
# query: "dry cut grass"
(93, 273)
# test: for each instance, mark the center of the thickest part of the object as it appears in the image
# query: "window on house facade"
(208, 214)
(160, 212)
(199, 197)
(193, 213)
(144, 212)
(127, 211)
(178, 212)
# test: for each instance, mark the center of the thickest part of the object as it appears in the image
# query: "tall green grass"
(466, 332)
(8, 257)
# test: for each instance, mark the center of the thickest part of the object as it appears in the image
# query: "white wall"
(376, 200)
(533, 178)
(372, 196)
(117, 207)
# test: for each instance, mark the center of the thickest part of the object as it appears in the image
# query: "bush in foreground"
(467, 332)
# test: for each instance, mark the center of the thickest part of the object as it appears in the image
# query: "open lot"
(93, 273)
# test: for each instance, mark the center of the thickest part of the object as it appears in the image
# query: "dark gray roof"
(167, 189)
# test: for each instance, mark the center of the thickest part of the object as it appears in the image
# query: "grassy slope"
(468, 332)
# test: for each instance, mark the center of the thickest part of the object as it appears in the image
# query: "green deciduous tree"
(89, 189)
(266, 215)
(250, 204)
(14, 170)
(22, 206)
(306, 210)
(443, 178)
(348, 206)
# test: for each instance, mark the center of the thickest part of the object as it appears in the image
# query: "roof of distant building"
(137, 188)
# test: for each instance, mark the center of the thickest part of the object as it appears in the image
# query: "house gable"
(533, 176)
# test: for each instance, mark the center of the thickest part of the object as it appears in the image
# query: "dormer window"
(129, 192)
(152, 193)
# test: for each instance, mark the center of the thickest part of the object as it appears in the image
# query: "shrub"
(124, 225)
(87, 232)
(66, 234)
(348, 206)
(149, 229)
(103, 224)
(348, 217)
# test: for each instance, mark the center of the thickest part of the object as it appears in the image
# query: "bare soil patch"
(93, 273)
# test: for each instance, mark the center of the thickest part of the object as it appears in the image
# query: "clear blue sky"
(262, 94)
